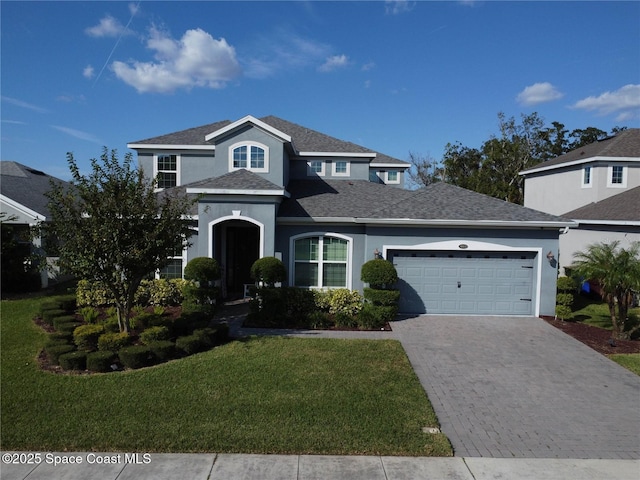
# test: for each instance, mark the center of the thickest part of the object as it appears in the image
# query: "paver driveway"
(518, 387)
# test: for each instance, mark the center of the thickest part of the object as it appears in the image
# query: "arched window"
(251, 156)
(321, 261)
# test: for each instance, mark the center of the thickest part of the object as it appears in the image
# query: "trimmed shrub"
(100, 361)
(379, 273)
(163, 350)
(371, 317)
(86, 336)
(111, 325)
(89, 314)
(136, 356)
(319, 320)
(344, 301)
(382, 297)
(49, 315)
(222, 334)
(202, 270)
(53, 342)
(67, 327)
(54, 351)
(73, 360)
(93, 294)
(154, 334)
(112, 342)
(57, 321)
(344, 320)
(190, 344)
(161, 291)
(269, 271)
(67, 303)
(63, 336)
(281, 307)
(206, 335)
(566, 285)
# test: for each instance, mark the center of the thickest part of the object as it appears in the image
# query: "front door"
(242, 249)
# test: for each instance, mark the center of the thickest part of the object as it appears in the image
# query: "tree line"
(493, 168)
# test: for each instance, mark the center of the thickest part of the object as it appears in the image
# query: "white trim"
(292, 255)
(156, 171)
(337, 154)
(619, 223)
(391, 182)
(390, 165)
(242, 121)
(249, 144)
(423, 222)
(321, 173)
(213, 223)
(167, 146)
(37, 217)
(334, 165)
(476, 246)
(625, 174)
(237, 191)
(579, 162)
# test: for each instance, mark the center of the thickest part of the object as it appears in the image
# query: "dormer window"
(315, 168)
(251, 156)
(341, 168)
(166, 170)
(392, 177)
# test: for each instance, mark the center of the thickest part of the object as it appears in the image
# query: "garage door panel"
(490, 282)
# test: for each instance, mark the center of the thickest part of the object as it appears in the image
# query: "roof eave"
(432, 222)
(167, 146)
(248, 119)
(625, 223)
(238, 191)
(581, 161)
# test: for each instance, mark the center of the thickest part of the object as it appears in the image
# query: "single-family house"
(597, 186)
(23, 204)
(324, 206)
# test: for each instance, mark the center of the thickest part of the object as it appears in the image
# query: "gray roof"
(26, 185)
(303, 139)
(625, 144)
(624, 206)
(439, 202)
(238, 179)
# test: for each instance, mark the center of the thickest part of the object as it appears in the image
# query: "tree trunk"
(623, 312)
(611, 300)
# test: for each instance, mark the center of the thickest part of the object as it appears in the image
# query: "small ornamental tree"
(379, 274)
(617, 270)
(269, 271)
(201, 296)
(114, 228)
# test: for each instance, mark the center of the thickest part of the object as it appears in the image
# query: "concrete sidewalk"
(310, 467)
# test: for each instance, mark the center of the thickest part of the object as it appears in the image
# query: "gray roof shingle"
(625, 144)
(437, 202)
(303, 139)
(26, 185)
(624, 206)
(238, 179)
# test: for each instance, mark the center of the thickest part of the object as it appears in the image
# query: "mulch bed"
(595, 337)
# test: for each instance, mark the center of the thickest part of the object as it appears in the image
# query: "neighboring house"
(324, 206)
(24, 204)
(596, 186)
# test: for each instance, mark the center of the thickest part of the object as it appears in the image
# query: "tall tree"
(424, 170)
(617, 270)
(585, 136)
(114, 228)
(461, 166)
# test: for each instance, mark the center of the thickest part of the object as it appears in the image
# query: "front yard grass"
(258, 395)
(630, 361)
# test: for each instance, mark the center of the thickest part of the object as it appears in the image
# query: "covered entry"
(463, 282)
(236, 245)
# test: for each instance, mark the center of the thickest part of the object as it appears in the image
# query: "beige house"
(597, 186)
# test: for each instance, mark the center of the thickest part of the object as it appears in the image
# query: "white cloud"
(396, 7)
(196, 60)
(539, 93)
(625, 102)
(89, 137)
(333, 62)
(368, 66)
(20, 103)
(108, 27)
(88, 72)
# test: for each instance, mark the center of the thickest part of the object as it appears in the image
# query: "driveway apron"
(518, 387)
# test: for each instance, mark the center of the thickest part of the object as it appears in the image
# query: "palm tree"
(617, 270)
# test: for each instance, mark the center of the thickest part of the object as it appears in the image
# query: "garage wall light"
(552, 259)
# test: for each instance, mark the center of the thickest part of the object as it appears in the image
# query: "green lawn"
(630, 361)
(260, 395)
(596, 312)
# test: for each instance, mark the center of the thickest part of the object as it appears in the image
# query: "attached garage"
(466, 282)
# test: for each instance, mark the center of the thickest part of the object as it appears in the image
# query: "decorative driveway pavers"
(517, 387)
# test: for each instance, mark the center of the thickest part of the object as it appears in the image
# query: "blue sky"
(396, 77)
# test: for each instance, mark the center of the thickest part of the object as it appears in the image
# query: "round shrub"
(154, 334)
(566, 285)
(343, 300)
(269, 271)
(54, 351)
(382, 297)
(100, 361)
(67, 327)
(190, 344)
(379, 273)
(73, 360)
(113, 341)
(86, 336)
(563, 312)
(163, 350)
(136, 356)
(203, 270)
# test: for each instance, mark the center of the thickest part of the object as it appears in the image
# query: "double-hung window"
(341, 168)
(315, 168)
(251, 156)
(321, 261)
(586, 176)
(616, 176)
(166, 170)
(393, 177)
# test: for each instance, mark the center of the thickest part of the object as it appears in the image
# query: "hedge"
(163, 350)
(136, 356)
(113, 341)
(190, 344)
(54, 351)
(86, 336)
(100, 361)
(154, 334)
(73, 360)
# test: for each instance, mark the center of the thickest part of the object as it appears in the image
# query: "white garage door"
(491, 283)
